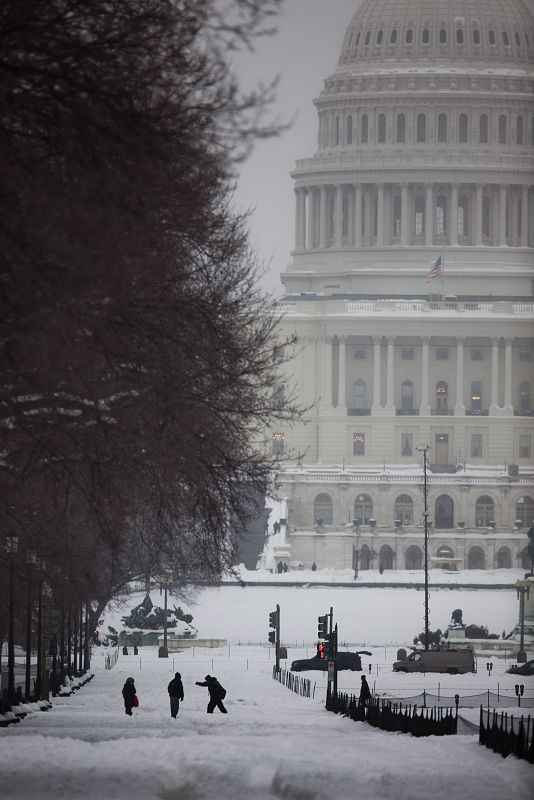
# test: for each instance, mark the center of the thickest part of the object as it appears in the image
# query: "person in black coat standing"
(216, 692)
(176, 693)
(365, 692)
(129, 693)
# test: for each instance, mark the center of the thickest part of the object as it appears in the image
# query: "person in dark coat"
(176, 693)
(129, 692)
(216, 692)
(365, 692)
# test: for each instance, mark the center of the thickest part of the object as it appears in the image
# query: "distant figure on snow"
(129, 694)
(365, 692)
(176, 693)
(216, 692)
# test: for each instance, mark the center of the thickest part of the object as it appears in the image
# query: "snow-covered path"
(272, 743)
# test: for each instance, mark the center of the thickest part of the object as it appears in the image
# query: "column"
(342, 383)
(358, 215)
(429, 215)
(494, 394)
(405, 215)
(311, 218)
(453, 239)
(338, 223)
(327, 373)
(380, 216)
(367, 217)
(322, 217)
(424, 410)
(508, 404)
(503, 192)
(298, 201)
(390, 376)
(350, 212)
(303, 219)
(459, 408)
(377, 340)
(477, 230)
(524, 216)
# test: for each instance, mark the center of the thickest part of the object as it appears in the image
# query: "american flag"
(436, 271)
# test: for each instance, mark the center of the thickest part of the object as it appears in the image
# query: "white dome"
(495, 32)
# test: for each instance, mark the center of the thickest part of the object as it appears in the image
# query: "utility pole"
(424, 450)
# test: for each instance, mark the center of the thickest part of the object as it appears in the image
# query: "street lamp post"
(12, 546)
(31, 559)
(425, 450)
(521, 592)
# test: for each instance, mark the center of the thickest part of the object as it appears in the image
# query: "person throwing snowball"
(216, 692)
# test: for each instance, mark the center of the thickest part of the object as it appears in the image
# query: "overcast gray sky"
(303, 53)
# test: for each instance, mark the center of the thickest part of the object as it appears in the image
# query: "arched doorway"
(365, 557)
(476, 558)
(444, 512)
(385, 557)
(503, 558)
(363, 509)
(414, 557)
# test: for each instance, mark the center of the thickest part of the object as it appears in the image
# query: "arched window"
(349, 129)
(476, 396)
(441, 216)
(444, 512)
(381, 128)
(401, 128)
(363, 510)
(476, 36)
(519, 130)
(425, 36)
(442, 396)
(357, 42)
(379, 37)
(505, 39)
(323, 510)
(463, 129)
(517, 39)
(502, 129)
(385, 557)
(393, 37)
(421, 128)
(336, 131)
(524, 510)
(459, 36)
(419, 221)
(408, 38)
(492, 39)
(414, 557)
(404, 509)
(483, 129)
(443, 36)
(396, 217)
(476, 558)
(484, 511)
(443, 128)
(527, 40)
(503, 558)
(364, 134)
(367, 38)
(359, 399)
(407, 396)
(463, 216)
(525, 396)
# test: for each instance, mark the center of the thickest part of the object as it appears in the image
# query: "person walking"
(130, 695)
(216, 692)
(365, 692)
(176, 693)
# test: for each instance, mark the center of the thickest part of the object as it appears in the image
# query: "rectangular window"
(406, 444)
(279, 393)
(525, 355)
(279, 353)
(525, 445)
(360, 354)
(278, 444)
(407, 353)
(442, 353)
(358, 444)
(476, 445)
(476, 354)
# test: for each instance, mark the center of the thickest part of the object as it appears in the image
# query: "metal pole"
(424, 450)
(39, 640)
(27, 683)
(277, 651)
(11, 636)
(165, 621)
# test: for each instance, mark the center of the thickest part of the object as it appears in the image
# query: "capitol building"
(409, 296)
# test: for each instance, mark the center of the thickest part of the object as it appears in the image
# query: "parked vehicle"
(522, 669)
(343, 660)
(451, 661)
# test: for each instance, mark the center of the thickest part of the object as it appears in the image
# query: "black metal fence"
(488, 698)
(294, 682)
(507, 735)
(390, 716)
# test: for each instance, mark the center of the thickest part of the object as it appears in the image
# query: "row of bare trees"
(136, 349)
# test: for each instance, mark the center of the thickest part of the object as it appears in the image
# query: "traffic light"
(272, 637)
(322, 627)
(320, 650)
(328, 646)
(273, 619)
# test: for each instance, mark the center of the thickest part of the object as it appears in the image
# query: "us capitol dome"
(410, 295)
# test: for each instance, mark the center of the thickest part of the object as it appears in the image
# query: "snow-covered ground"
(272, 743)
